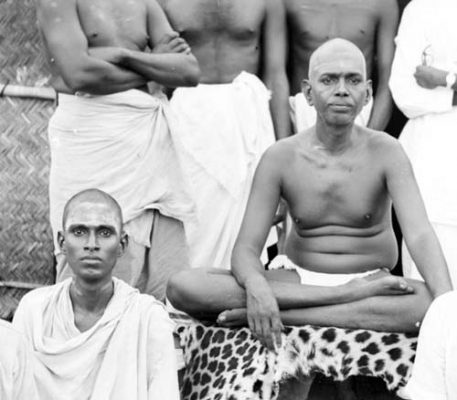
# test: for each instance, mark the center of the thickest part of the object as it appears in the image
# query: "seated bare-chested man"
(370, 24)
(339, 181)
(109, 132)
(92, 335)
(226, 122)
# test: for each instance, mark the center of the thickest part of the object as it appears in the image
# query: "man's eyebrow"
(108, 227)
(98, 227)
(74, 226)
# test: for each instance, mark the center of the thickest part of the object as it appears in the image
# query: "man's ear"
(369, 90)
(306, 89)
(123, 244)
(61, 241)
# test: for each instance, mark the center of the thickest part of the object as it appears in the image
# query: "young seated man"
(339, 181)
(16, 376)
(93, 335)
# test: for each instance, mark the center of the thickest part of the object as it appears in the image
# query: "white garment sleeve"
(411, 41)
(163, 382)
(428, 376)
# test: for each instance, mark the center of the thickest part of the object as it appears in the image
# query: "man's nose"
(341, 89)
(92, 242)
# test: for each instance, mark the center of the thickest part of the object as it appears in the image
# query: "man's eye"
(326, 81)
(105, 233)
(78, 232)
(354, 81)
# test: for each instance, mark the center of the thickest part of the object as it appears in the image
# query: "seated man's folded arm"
(260, 210)
(262, 307)
(68, 48)
(418, 233)
(170, 69)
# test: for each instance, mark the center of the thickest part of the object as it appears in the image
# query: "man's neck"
(91, 296)
(333, 138)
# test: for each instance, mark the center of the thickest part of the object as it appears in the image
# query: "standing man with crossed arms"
(225, 121)
(108, 132)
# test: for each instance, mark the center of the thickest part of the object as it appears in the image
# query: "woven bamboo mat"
(25, 235)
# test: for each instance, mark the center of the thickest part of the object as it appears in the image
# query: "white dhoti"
(308, 277)
(224, 130)
(128, 353)
(122, 144)
(303, 115)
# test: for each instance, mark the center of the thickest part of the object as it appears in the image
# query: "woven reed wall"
(25, 235)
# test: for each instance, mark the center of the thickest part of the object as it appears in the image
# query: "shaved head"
(92, 196)
(335, 49)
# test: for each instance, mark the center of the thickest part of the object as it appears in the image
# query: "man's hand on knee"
(263, 314)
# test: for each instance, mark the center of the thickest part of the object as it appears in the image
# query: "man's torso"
(340, 207)
(225, 35)
(114, 23)
(312, 23)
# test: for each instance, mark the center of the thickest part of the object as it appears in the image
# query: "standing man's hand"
(430, 77)
(113, 55)
(172, 43)
(263, 313)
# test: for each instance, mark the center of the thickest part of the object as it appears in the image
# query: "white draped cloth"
(123, 144)
(16, 369)
(128, 353)
(427, 32)
(435, 367)
(223, 131)
(303, 116)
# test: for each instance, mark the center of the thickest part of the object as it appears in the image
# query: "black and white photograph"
(228, 199)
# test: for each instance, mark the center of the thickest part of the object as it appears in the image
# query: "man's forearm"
(169, 69)
(96, 76)
(428, 256)
(382, 109)
(279, 107)
(246, 267)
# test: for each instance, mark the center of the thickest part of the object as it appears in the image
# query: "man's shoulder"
(36, 297)
(380, 141)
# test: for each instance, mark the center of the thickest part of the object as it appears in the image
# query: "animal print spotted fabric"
(230, 364)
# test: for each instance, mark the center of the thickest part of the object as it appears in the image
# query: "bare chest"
(86, 320)
(346, 192)
(114, 22)
(237, 19)
(314, 22)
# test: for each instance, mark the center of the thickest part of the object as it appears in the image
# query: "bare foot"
(384, 285)
(233, 318)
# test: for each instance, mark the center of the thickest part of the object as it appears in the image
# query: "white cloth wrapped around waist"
(308, 277)
(120, 143)
(303, 116)
(224, 127)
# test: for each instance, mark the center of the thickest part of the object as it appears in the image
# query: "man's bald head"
(336, 49)
(92, 196)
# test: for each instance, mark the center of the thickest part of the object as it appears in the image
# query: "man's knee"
(179, 290)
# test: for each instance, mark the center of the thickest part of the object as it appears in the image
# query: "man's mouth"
(91, 259)
(340, 106)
